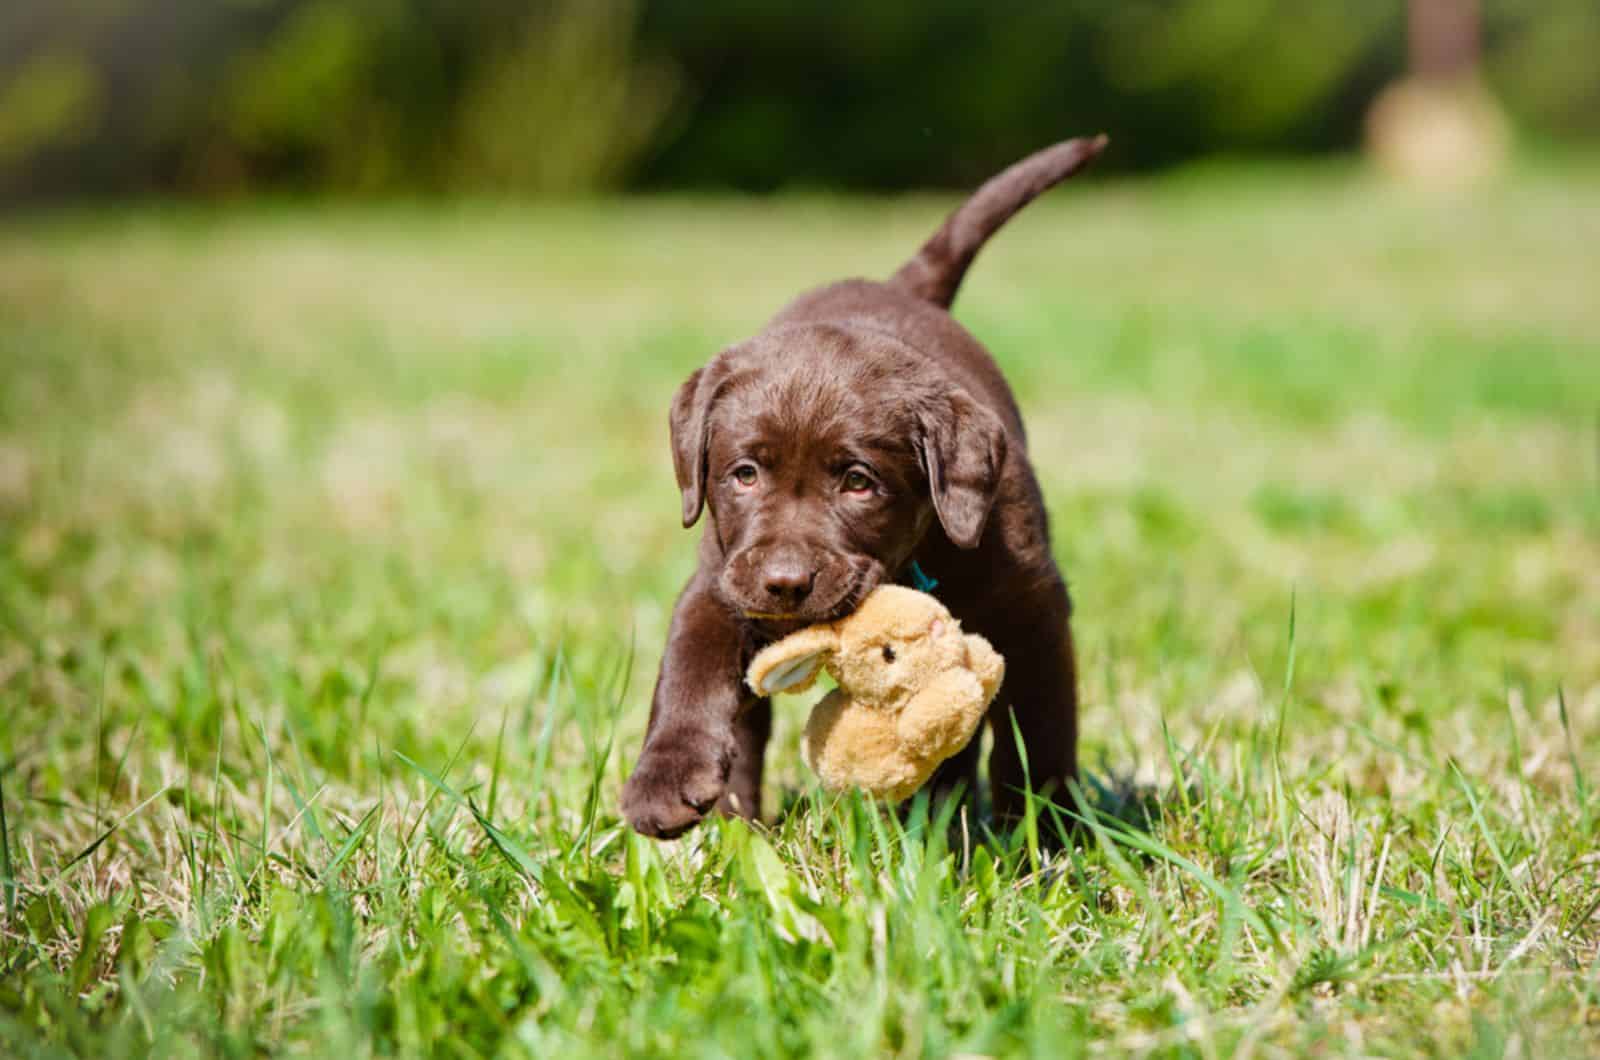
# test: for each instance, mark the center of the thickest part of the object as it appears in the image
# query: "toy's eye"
(745, 474)
(888, 653)
(857, 481)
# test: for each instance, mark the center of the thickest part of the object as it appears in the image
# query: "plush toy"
(912, 689)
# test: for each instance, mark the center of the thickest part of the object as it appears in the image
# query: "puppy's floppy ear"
(963, 451)
(791, 664)
(691, 409)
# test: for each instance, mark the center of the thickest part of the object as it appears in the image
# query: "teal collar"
(920, 580)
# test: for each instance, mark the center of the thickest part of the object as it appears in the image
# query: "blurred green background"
(109, 97)
(336, 343)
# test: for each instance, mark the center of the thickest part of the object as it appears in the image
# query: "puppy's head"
(823, 455)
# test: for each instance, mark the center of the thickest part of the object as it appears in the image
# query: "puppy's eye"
(745, 474)
(857, 481)
(888, 653)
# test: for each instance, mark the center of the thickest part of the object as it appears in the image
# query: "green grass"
(337, 546)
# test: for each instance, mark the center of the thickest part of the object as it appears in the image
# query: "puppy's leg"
(692, 741)
(1041, 692)
(750, 733)
(956, 777)
(958, 773)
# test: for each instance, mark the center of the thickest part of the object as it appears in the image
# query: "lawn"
(337, 546)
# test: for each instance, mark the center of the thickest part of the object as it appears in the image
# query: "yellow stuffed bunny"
(912, 690)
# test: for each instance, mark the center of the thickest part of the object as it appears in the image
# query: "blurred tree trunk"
(1443, 38)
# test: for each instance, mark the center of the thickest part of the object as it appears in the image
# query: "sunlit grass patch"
(337, 546)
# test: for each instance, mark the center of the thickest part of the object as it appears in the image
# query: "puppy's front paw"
(674, 785)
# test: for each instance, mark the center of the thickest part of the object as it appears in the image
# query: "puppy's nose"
(788, 581)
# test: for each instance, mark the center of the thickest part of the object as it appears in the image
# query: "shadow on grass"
(1114, 801)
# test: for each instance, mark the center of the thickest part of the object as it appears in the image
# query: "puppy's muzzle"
(781, 583)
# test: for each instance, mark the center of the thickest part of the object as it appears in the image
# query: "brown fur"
(876, 382)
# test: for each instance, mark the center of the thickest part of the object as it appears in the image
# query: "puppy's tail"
(935, 273)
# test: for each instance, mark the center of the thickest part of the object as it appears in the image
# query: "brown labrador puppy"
(861, 435)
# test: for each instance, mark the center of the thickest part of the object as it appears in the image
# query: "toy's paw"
(673, 786)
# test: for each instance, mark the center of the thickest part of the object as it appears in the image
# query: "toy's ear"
(689, 421)
(963, 451)
(792, 663)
